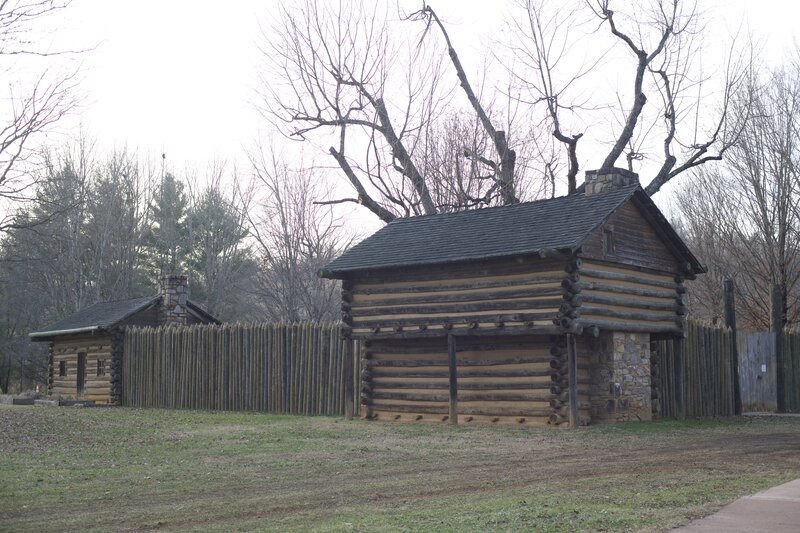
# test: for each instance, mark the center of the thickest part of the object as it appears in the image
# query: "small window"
(101, 367)
(62, 368)
(608, 242)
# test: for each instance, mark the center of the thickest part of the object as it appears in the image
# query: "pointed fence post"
(679, 349)
(776, 326)
(730, 321)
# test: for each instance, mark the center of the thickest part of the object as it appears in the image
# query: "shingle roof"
(519, 229)
(101, 315)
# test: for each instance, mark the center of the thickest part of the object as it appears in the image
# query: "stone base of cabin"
(619, 365)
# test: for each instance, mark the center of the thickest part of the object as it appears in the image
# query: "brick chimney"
(598, 182)
(174, 296)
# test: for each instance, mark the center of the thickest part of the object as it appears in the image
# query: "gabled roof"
(521, 229)
(105, 315)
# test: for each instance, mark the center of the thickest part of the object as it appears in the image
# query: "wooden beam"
(463, 332)
(730, 321)
(453, 381)
(348, 379)
(572, 365)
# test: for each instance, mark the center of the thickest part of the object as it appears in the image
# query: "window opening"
(608, 242)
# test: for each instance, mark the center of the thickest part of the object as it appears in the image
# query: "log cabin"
(85, 360)
(527, 314)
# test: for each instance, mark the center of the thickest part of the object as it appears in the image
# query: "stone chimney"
(598, 182)
(174, 296)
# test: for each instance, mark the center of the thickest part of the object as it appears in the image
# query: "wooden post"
(730, 321)
(451, 367)
(348, 378)
(572, 369)
(776, 326)
(678, 346)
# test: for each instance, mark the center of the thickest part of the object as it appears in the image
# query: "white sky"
(179, 76)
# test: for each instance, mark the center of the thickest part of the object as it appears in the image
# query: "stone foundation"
(619, 368)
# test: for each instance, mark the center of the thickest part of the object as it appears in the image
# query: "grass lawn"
(80, 469)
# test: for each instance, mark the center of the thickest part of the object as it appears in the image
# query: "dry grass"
(72, 469)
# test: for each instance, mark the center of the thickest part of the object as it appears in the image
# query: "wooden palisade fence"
(708, 377)
(276, 368)
(300, 369)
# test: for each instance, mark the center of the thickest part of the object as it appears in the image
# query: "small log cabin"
(534, 313)
(86, 347)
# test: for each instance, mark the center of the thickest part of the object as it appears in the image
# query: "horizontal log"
(462, 295)
(611, 325)
(508, 330)
(485, 305)
(667, 305)
(631, 291)
(629, 277)
(445, 277)
(629, 315)
(461, 362)
(450, 319)
(443, 385)
(465, 396)
(436, 347)
(503, 411)
(444, 409)
(470, 373)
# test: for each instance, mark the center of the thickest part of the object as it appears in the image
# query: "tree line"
(103, 227)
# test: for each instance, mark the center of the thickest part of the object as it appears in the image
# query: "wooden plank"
(453, 379)
(776, 326)
(348, 380)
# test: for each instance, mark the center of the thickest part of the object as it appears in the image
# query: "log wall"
(620, 298)
(96, 388)
(518, 380)
(512, 293)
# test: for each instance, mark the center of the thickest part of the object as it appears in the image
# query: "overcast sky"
(179, 77)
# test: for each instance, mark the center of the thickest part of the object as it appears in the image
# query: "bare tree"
(664, 102)
(345, 75)
(746, 212)
(296, 236)
(33, 107)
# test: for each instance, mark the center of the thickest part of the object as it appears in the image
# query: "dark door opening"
(81, 381)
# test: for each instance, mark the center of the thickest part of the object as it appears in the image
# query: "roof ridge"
(541, 201)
